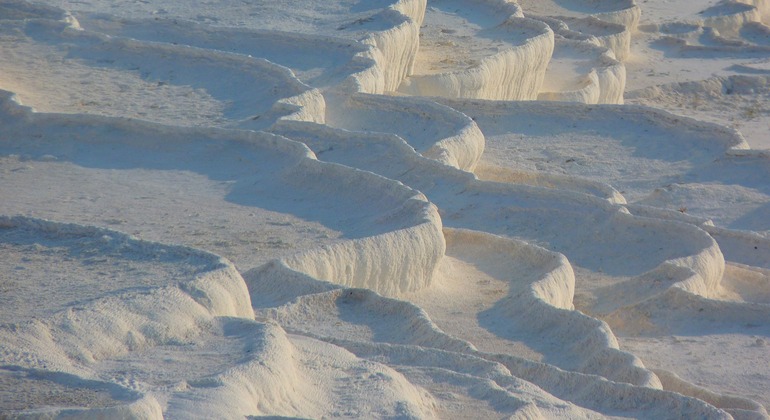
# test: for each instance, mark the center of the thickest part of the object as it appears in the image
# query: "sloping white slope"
(612, 36)
(113, 317)
(645, 154)
(382, 278)
(509, 72)
(465, 382)
(700, 271)
(446, 135)
(318, 61)
(158, 82)
(624, 12)
(703, 47)
(390, 27)
(512, 210)
(141, 339)
(268, 181)
(479, 50)
(580, 71)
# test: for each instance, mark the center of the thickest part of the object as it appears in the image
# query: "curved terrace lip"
(728, 8)
(317, 60)
(590, 7)
(386, 208)
(262, 170)
(595, 6)
(494, 41)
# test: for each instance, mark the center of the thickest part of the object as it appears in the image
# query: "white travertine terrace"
(600, 78)
(612, 36)
(339, 209)
(511, 67)
(624, 12)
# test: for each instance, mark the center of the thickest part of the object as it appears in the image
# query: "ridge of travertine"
(420, 178)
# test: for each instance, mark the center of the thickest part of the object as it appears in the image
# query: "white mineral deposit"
(385, 209)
